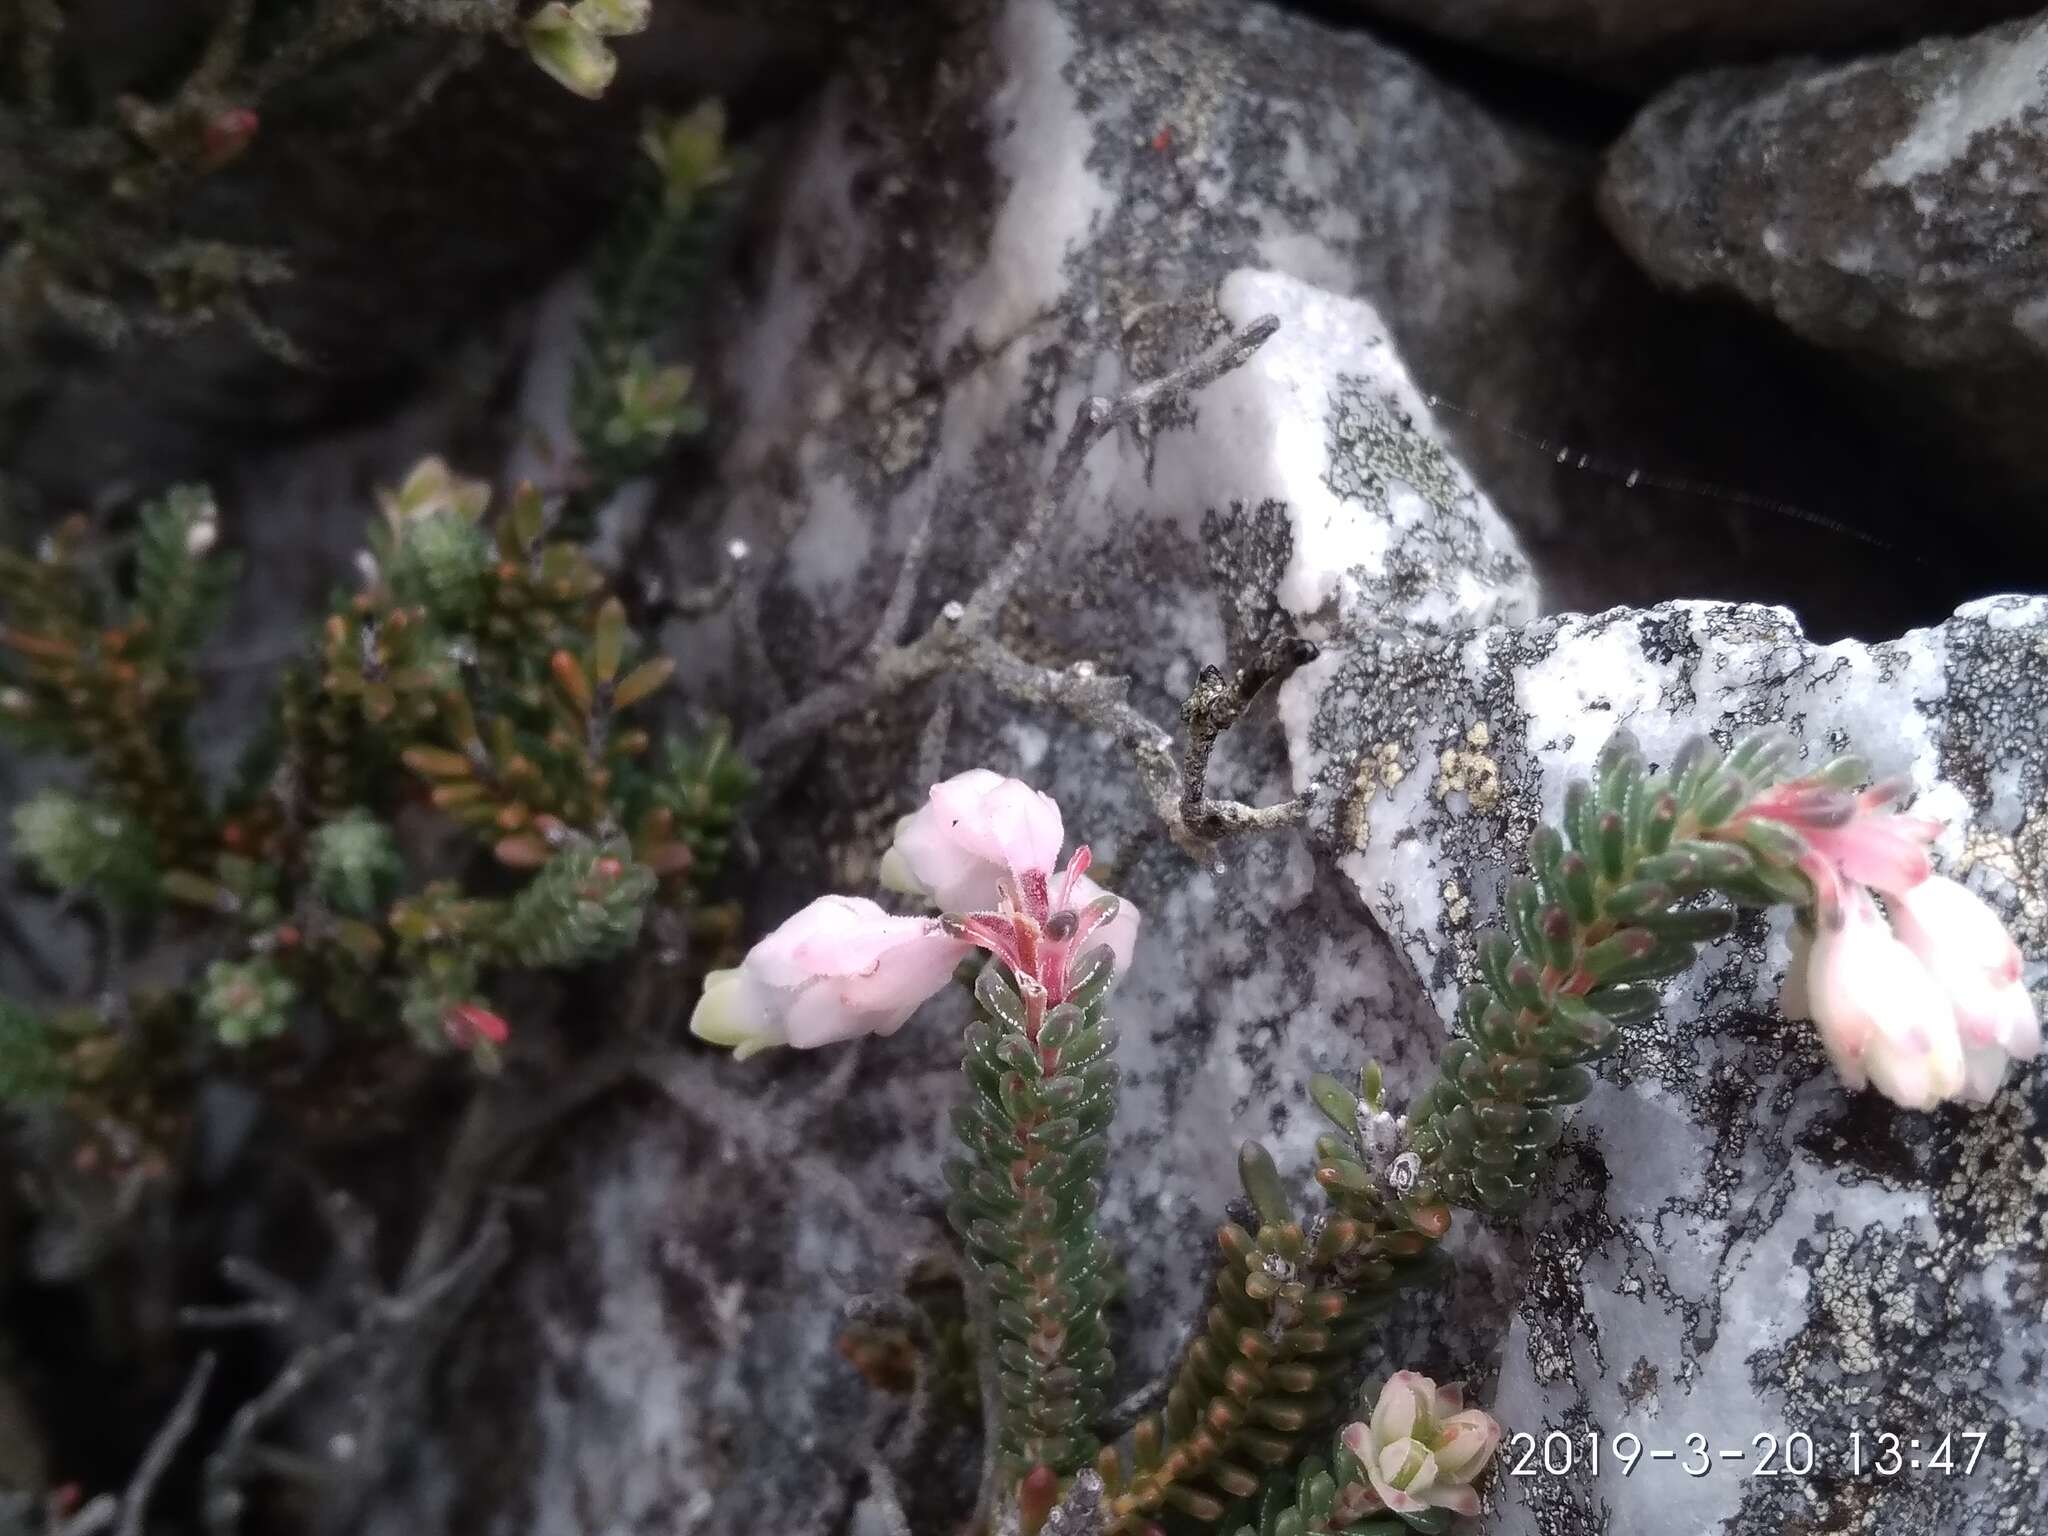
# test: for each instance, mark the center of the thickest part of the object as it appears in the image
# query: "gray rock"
(1732, 1246)
(1136, 153)
(1895, 209)
(939, 299)
(1627, 44)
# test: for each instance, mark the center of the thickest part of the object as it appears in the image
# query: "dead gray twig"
(163, 1446)
(387, 1330)
(962, 639)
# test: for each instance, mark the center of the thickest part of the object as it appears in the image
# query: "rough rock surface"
(1893, 208)
(1132, 154)
(1309, 492)
(939, 302)
(1627, 43)
(1732, 1247)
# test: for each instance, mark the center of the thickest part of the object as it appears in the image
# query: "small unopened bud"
(201, 536)
(738, 551)
(226, 135)
(568, 48)
(471, 1024)
(954, 611)
(15, 701)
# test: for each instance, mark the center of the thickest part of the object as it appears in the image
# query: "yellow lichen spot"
(1388, 757)
(1467, 770)
(1379, 768)
(1457, 905)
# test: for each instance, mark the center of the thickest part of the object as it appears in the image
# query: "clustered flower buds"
(983, 849)
(245, 1001)
(689, 152)
(1421, 1449)
(1926, 1008)
(652, 405)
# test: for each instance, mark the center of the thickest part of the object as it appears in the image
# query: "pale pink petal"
(1394, 1498)
(818, 1015)
(1404, 1399)
(778, 959)
(1120, 933)
(910, 972)
(1407, 1467)
(1938, 916)
(977, 832)
(2019, 1031)
(1016, 826)
(1449, 1399)
(854, 951)
(1879, 849)
(1983, 1073)
(1465, 1442)
(1963, 943)
(930, 857)
(1357, 1440)
(840, 968)
(1880, 1011)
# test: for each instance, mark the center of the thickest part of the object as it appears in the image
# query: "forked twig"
(962, 639)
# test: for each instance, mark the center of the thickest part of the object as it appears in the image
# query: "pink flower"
(840, 968)
(1421, 1449)
(1882, 1017)
(1929, 1012)
(1852, 839)
(1975, 962)
(979, 836)
(983, 848)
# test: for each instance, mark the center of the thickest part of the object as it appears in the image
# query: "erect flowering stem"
(1042, 1091)
(1042, 1094)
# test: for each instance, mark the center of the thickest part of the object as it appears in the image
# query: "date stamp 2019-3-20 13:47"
(1860, 1452)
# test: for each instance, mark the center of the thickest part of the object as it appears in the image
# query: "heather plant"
(93, 236)
(460, 781)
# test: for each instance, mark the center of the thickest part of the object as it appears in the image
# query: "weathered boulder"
(1627, 44)
(1893, 208)
(1131, 155)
